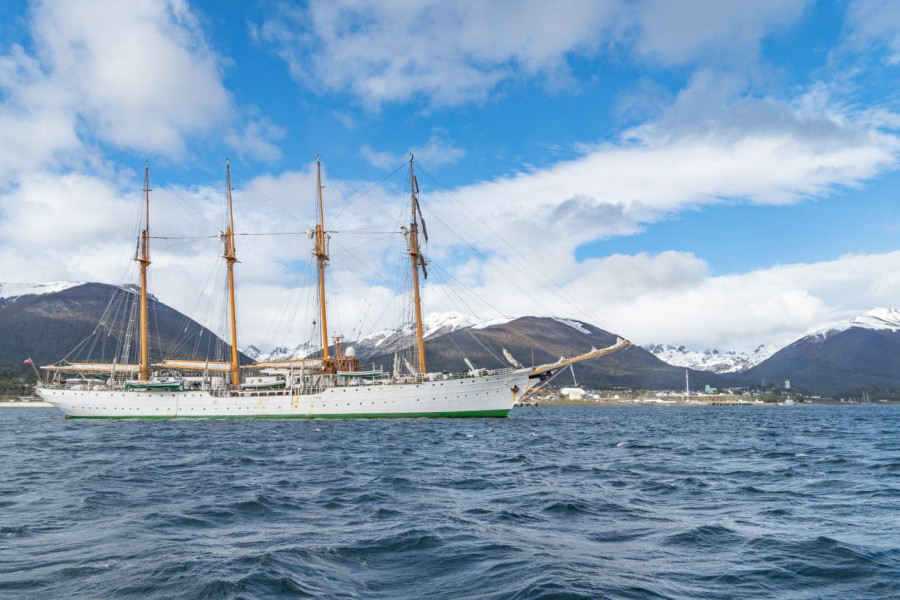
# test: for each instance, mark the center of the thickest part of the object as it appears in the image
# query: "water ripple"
(636, 502)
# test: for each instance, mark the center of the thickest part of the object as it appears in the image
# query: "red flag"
(27, 361)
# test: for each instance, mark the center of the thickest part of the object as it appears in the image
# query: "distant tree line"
(16, 381)
(872, 394)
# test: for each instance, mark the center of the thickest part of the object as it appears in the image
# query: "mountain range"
(452, 338)
(45, 321)
(383, 341)
(716, 361)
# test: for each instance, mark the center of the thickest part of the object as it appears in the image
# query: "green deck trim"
(439, 415)
(154, 388)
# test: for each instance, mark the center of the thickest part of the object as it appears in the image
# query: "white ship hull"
(486, 396)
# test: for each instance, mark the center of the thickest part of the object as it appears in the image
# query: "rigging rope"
(573, 302)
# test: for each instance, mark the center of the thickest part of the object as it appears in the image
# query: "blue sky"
(664, 161)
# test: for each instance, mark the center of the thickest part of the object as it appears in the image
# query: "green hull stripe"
(473, 413)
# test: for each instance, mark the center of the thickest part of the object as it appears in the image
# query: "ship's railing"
(419, 378)
(316, 386)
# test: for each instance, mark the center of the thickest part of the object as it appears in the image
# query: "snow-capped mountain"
(434, 325)
(46, 321)
(879, 318)
(384, 341)
(716, 361)
(10, 291)
(576, 325)
(281, 352)
(861, 352)
(251, 351)
(540, 340)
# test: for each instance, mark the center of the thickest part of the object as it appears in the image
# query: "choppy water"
(636, 502)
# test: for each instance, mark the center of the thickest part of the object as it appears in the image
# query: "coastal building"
(572, 393)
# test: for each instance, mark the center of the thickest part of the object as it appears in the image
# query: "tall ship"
(329, 384)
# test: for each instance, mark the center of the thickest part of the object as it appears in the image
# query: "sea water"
(631, 502)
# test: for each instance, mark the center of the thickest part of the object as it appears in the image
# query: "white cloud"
(705, 150)
(380, 160)
(775, 305)
(344, 118)
(450, 51)
(709, 147)
(37, 125)
(872, 24)
(135, 75)
(140, 73)
(676, 33)
(435, 153)
(456, 52)
(63, 227)
(256, 139)
(671, 298)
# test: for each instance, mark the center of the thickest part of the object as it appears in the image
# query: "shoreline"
(702, 404)
(15, 404)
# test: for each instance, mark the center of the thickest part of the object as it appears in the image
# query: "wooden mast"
(143, 259)
(417, 260)
(230, 259)
(321, 254)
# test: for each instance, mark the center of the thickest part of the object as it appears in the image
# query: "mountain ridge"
(46, 320)
(713, 360)
(860, 352)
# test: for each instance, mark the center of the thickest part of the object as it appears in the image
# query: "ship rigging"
(308, 386)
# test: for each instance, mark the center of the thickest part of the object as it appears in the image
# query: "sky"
(708, 173)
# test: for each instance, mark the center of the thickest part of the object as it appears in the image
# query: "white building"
(572, 393)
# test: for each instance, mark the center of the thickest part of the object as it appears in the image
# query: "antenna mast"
(321, 254)
(417, 259)
(143, 258)
(231, 258)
